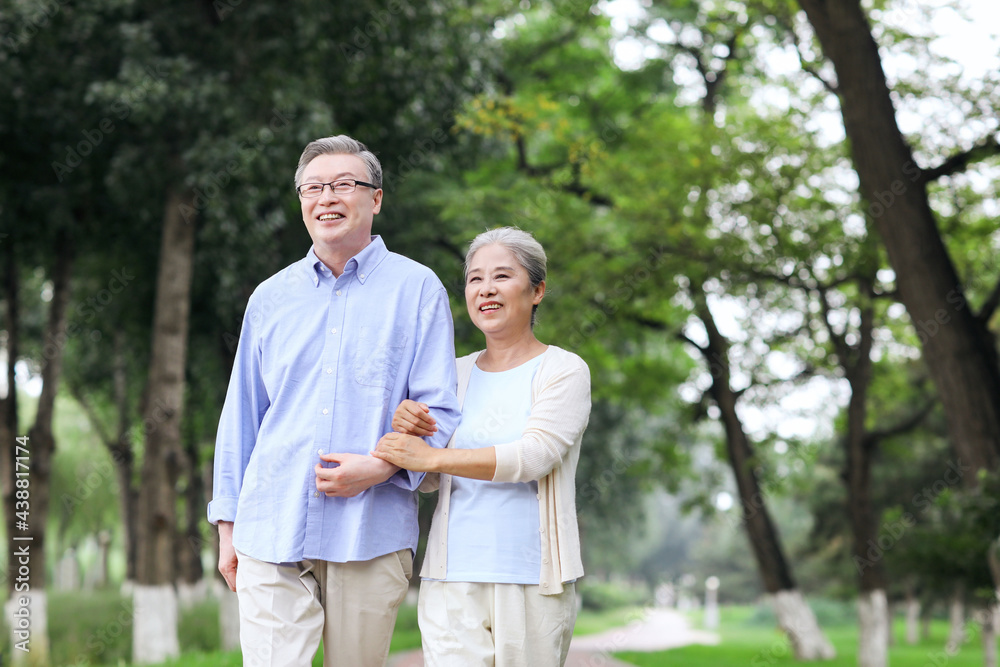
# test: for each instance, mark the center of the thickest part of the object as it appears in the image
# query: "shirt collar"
(363, 264)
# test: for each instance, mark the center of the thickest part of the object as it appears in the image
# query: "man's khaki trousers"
(286, 610)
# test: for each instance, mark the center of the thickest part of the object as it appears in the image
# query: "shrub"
(600, 596)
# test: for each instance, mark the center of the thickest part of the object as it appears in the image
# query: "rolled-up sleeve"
(559, 416)
(239, 424)
(433, 379)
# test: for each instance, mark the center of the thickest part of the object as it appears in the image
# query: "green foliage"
(950, 541)
(601, 596)
(95, 628)
(406, 635)
(744, 643)
(198, 627)
(86, 499)
(645, 190)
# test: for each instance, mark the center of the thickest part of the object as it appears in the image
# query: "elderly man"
(316, 535)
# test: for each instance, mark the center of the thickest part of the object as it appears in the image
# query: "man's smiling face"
(339, 224)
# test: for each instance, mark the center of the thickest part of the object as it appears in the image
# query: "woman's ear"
(539, 293)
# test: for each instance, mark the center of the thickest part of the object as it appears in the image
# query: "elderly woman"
(504, 548)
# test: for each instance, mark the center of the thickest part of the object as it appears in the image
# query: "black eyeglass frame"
(356, 182)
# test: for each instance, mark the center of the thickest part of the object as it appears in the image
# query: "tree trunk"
(912, 619)
(986, 619)
(796, 619)
(190, 542)
(873, 629)
(26, 523)
(127, 499)
(989, 646)
(794, 616)
(229, 618)
(207, 472)
(191, 586)
(9, 426)
(957, 345)
(155, 616)
(123, 456)
(867, 547)
(956, 621)
(889, 617)
(103, 551)
(229, 608)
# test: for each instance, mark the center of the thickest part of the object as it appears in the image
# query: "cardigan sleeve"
(559, 415)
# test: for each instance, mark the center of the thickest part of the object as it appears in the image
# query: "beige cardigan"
(547, 451)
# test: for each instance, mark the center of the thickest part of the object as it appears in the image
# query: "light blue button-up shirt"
(321, 365)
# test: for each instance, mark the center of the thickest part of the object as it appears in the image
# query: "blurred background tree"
(775, 362)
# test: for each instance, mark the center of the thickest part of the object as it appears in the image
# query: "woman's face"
(498, 292)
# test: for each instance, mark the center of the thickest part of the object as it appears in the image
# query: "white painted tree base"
(229, 619)
(912, 621)
(988, 621)
(956, 625)
(154, 631)
(873, 629)
(191, 595)
(797, 620)
(28, 623)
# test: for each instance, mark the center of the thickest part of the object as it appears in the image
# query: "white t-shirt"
(493, 529)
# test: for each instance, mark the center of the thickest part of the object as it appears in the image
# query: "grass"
(95, 629)
(592, 622)
(746, 641)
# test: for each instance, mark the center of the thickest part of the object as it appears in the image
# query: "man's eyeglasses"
(345, 187)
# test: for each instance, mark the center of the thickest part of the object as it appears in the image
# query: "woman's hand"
(406, 451)
(414, 418)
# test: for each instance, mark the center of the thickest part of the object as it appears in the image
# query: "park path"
(650, 630)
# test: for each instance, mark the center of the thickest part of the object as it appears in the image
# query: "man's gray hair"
(340, 144)
(526, 250)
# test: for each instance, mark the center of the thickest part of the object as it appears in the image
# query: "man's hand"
(414, 418)
(227, 554)
(355, 473)
(406, 451)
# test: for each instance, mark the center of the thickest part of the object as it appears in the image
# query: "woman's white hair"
(526, 250)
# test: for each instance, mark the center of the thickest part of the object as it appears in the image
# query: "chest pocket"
(378, 355)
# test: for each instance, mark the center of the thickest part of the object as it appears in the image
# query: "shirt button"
(333, 331)
(545, 585)
(320, 452)
(329, 370)
(316, 494)
(325, 411)
(361, 276)
(545, 560)
(541, 530)
(538, 495)
(338, 292)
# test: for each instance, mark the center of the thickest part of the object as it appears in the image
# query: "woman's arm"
(559, 415)
(413, 453)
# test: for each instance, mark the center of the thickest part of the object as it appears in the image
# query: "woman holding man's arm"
(504, 549)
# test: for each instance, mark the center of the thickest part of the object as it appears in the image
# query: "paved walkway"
(650, 630)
